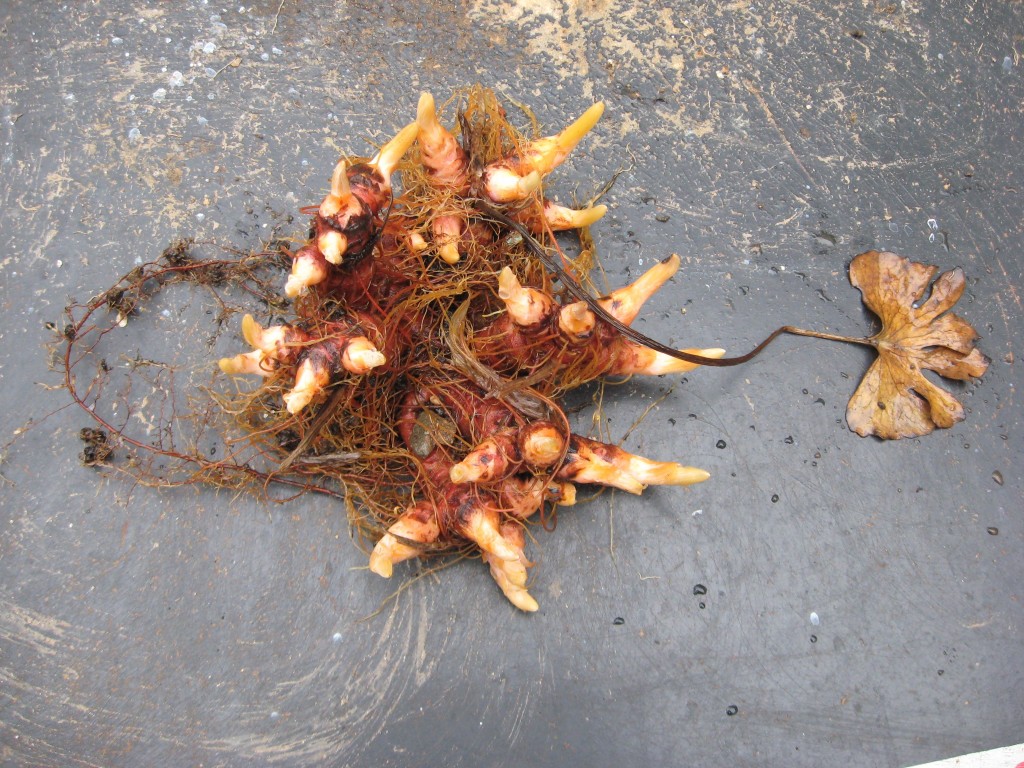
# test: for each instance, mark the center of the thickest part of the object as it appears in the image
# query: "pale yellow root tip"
(249, 362)
(577, 320)
(340, 191)
(390, 549)
(503, 185)
(296, 400)
(294, 287)
(339, 181)
(332, 245)
(508, 284)
(380, 558)
(566, 494)
(624, 303)
(608, 474)
(542, 446)
(417, 242)
(482, 528)
(664, 473)
(573, 134)
(426, 112)
(549, 153)
(510, 575)
(511, 579)
(526, 306)
(252, 332)
(361, 356)
(449, 253)
(561, 219)
(391, 153)
(305, 272)
(308, 383)
(460, 473)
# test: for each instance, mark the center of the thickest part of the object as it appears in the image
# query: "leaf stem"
(868, 342)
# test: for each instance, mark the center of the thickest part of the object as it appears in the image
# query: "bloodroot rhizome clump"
(429, 346)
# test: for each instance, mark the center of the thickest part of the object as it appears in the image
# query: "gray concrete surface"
(871, 616)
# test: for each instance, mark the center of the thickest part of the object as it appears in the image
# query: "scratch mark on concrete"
(756, 93)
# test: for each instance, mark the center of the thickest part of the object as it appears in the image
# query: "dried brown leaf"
(895, 399)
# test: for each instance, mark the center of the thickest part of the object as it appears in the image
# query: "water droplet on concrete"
(992, 530)
(814, 619)
(720, 444)
(731, 710)
(775, 498)
(998, 477)
(619, 621)
(699, 589)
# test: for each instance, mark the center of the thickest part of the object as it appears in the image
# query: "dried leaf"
(895, 399)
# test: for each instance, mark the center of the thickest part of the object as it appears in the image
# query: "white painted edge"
(1004, 757)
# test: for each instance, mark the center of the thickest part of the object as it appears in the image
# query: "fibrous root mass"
(430, 346)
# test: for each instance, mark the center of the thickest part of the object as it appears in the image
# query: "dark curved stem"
(573, 286)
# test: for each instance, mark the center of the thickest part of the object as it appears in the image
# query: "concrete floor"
(863, 602)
